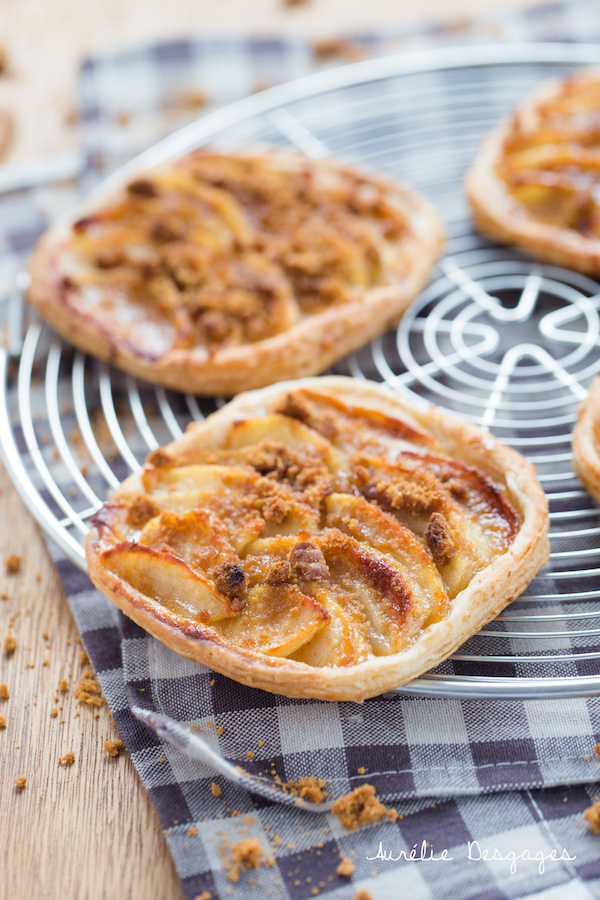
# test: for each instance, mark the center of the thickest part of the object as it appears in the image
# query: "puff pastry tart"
(536, 180)
(321, 538)
(586, 441)
(221, 273)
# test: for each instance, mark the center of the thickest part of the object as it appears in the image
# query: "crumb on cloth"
(345, 868)
(592, 817)
(215, 789)
(312, 789)
(362, 895)
(360, 807)
(246, 854)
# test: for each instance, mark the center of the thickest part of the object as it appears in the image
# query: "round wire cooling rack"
(498, 339)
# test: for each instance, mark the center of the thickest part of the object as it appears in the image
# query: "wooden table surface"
(89, 830)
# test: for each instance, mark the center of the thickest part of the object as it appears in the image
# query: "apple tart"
(536, 180)
(586, 441)
(321, 538)
(219, 273)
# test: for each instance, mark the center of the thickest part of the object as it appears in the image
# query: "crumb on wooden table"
(345, 868)
(21, 781)
(53, 713)
(215, 789)
(64, 687)
(113, 748)
(88, 690)
(592, 817)
(83, 658)
(13, 563)
(10, 644)
(67, 760)
(4, 695)
(294, 2)
(360, 807)
(2, 723)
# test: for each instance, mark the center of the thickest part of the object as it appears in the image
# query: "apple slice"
(168, 581)
(277, 620)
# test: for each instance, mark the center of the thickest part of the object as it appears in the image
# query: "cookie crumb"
(88, 690)
(2, 723)
(67, 760)
(342, 48)
(10, 644)
(205, 895)
(360, 807)
(13, 563)
(4, 695)
(361, 770)
(83, 658)
(393, 815)
(219, 730)
(249, 754)
(592, 817)
(345, 868)
(113, 748)
(215, 789)
(597, 750)
(192, 831)
(310, 788)
(362, 895)
(247, 853)
(21, 781)
(53, 713)
(62, 684)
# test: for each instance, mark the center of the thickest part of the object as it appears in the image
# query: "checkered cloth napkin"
(466, 777)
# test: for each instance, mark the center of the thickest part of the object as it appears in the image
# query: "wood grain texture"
(45, 41)
(89, 831)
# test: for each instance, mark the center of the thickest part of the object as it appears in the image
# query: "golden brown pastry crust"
(489, 591)
(305, 347)
(586, 441)
(543, 124)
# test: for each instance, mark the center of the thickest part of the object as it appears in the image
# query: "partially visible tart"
(218, 273)
(536, 180)
(321, 538)
(586, 441)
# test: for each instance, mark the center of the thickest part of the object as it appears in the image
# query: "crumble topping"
(440, 540)
(230, 579)
(360, 807)
(141, 510)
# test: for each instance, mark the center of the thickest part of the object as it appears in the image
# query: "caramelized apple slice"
(196, 537)
(277, 620)
(168, 581)
(353, 427)
(368, 523)
(343, 641)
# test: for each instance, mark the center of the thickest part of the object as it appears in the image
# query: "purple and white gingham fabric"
(465, 776)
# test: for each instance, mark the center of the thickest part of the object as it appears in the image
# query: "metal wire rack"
(496, 338)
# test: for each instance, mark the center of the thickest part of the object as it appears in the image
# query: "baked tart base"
(534, 183)
(321, 538)
(221, 273)
(586, 441)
